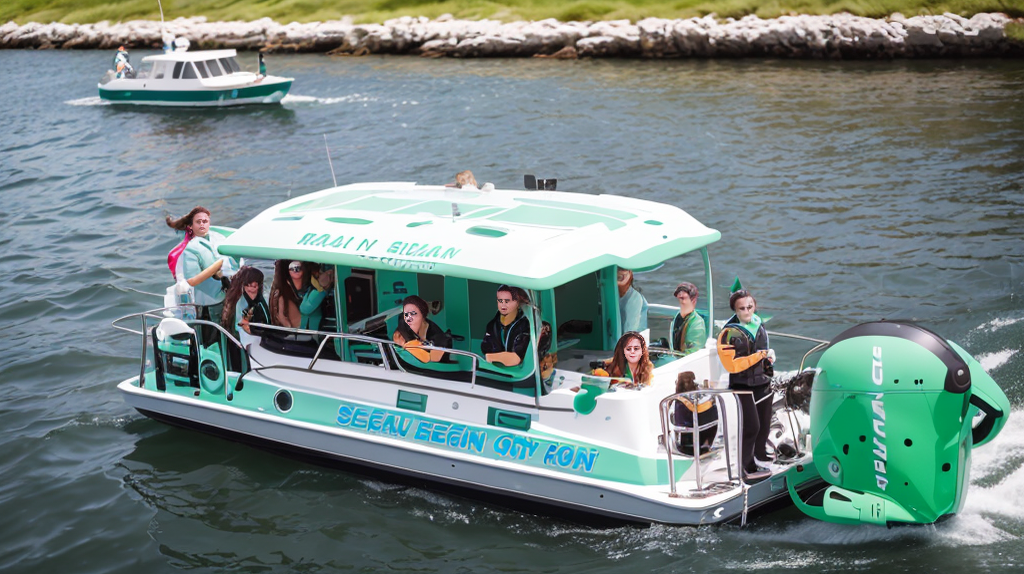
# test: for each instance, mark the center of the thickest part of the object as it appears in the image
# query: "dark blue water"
(845, 192)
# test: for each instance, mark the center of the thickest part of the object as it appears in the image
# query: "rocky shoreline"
(839, 36)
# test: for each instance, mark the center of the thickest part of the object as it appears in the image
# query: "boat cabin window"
(201, 66)
(177, 69)
(159, 70)
(230, 65)
(214, 68)
(188, 72)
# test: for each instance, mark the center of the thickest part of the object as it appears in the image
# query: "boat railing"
(794, 423)
(382, 345)
(160, 314)
(733, 456)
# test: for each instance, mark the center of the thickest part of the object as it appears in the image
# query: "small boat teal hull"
(263, 93)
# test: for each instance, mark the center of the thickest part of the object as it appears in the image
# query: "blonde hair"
(464, 178)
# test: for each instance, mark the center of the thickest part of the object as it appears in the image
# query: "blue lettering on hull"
(461, 437)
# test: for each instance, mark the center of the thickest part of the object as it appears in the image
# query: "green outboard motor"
(895, 410)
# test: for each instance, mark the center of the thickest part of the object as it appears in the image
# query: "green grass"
(86, 11)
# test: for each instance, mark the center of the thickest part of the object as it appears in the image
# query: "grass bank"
(88, 11)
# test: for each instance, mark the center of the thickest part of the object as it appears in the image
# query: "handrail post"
(145, 345)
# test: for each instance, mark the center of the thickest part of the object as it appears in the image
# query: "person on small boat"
(295, 302)
(416, 329)
(284, 300)
(687, 414)
(122, 67)
(743, 350)
(632, 305)
(688, 330)
(630, 362)
(201, 266)
(464, 180)
(244, 304)
(508, 333)
(262, 67)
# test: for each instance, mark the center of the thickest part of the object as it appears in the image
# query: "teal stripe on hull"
(194, 96)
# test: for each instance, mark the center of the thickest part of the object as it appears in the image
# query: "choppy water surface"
(844, 191)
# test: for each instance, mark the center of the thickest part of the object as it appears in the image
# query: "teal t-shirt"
(633, 311)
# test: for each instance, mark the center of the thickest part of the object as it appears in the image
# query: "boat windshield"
(230, 65)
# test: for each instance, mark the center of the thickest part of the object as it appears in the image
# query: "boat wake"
(90, 101)
(299, 100)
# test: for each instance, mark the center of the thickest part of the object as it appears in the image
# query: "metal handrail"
(697, 397)
(821, 345)
(380, 343)
(152, 314)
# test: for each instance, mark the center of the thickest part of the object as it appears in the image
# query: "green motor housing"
(893, 421)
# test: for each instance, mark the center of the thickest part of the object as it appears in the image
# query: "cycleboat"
(201, 78)
(894, 410)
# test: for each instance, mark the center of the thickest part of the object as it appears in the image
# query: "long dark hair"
(282, 285)
(247, 274)
(619, 366)
(184, 222)
(403, 328)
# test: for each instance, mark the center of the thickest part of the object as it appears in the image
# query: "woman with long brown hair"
(630, 360)
(284, 298)
(244, 304)
(294, 300)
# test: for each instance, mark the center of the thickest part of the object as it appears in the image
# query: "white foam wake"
(90, 101)
(990, 361)
(996, 324)
(297, 99)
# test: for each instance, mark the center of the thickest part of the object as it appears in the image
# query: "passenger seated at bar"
(244, 304)
(508, 333)
(630, 363)
(684, 413)
(688, 330)
(632, 305)
(294, 301)
(415, 329)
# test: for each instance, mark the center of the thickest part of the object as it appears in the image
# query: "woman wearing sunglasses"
(743, 349)
(415, 330)
(294, 300)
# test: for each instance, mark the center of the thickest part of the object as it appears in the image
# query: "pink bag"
(175, 254)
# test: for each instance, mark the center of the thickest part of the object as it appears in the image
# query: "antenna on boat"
(329, 162)
(168, 46)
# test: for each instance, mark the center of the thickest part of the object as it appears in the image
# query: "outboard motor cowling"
(892, 408)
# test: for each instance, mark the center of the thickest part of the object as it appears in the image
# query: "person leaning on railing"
(508, 333)
(415, 329)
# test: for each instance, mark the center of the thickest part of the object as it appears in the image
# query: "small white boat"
(547, 431)
(201, 78)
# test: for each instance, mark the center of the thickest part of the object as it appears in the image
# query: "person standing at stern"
(743, 350)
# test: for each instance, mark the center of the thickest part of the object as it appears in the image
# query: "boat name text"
(465, 438)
